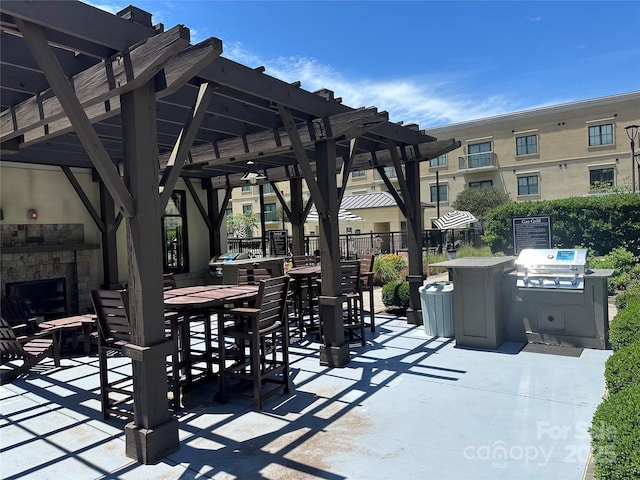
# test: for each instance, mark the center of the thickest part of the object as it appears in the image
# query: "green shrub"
(601, 223)
(625, 326)
(628, 295)
(626, 269)
(403, 295)
(389, 268)
(615, 436)
(396, 294)
(623, 368)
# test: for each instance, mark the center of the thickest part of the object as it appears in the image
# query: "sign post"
(278, 243)
(531, 232)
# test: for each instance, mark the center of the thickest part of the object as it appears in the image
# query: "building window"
(267, 188)
(174, 234)
(528, 185)
(601, 134)
(601, 176)
(435, 189)
(248, 208)
(246, 189)
(358, 174)
(228, 212)
(527, 145)
(270, 213)
(349, 229)
(479, 154)
(440, 161)
(481, 184)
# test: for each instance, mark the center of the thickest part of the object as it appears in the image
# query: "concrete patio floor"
(407, 406)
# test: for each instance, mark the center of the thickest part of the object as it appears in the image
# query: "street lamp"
(632, 133)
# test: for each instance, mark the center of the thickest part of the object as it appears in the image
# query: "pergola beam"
(96, 84)
(41, 51)
(183, 144)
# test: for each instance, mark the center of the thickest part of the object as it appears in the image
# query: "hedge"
(625, 326)
(615, 436)
(396, 294)
(600, 223)
(623, 368)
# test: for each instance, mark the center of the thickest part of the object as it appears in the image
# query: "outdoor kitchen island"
(546, 296)
(478, 299)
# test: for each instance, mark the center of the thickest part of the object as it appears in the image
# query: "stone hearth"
(37, 252)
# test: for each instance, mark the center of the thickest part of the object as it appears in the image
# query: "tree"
(242, 224)
(479, 201)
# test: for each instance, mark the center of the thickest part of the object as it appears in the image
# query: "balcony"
(476, 162)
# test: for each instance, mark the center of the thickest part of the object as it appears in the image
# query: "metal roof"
(371, 200)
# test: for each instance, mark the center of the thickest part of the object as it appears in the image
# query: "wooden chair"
(366, 278)
(114, 333)
(301, 260)
(260, 336)
(18, 315)
(351, 284)
(30, 350)
(252, 276)
(168, 281)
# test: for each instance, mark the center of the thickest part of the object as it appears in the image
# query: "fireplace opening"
(45, 298)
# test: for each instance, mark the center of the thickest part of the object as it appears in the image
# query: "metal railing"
(478, 160)
(351, 245)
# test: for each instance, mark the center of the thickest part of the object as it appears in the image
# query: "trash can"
(437, 309)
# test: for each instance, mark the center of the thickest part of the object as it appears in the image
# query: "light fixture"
(252, 175)
(632, 133)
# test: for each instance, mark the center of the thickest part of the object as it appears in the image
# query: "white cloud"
(424, 101)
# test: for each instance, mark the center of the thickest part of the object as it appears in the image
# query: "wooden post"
(414, 240)
(297, 225)
(154, 433)
(334, 352)
(109, 240)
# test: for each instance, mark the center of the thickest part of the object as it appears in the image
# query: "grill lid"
(552, 268)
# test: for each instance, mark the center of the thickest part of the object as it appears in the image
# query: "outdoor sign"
(531, 232)
(278, 243)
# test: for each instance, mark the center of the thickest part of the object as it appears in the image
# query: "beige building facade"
(545, 153)
(541, 154)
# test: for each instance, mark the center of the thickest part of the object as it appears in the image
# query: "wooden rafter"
(41, 51)
(98, 83)
(184, 142)
(177, 71)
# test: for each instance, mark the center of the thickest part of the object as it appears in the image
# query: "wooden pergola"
(142, 107)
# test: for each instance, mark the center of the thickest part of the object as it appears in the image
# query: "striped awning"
(343, 215)
(454, 219)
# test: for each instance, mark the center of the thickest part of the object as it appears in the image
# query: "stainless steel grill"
(552, 268)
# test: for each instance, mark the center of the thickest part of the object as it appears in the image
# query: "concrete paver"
(407, 406)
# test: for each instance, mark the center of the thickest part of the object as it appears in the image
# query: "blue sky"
(430, 63)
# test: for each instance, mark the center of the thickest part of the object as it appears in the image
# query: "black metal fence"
(433, 241)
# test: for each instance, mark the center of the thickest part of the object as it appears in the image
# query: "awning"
(454, 219)
(343, 215)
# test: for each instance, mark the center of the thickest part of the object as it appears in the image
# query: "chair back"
(16, 313)
(272, 301)
(168, 281)
(251, 276)
(113, 322)
(366, 266)
(350, 276)
(302, 260)
(10, 347)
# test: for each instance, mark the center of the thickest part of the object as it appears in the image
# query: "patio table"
(72, 325)
(205, 301)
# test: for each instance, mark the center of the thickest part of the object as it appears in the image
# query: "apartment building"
(545, 153)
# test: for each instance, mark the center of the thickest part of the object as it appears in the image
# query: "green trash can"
(437, 309)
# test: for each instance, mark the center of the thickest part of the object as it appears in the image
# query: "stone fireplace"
(33, 252)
